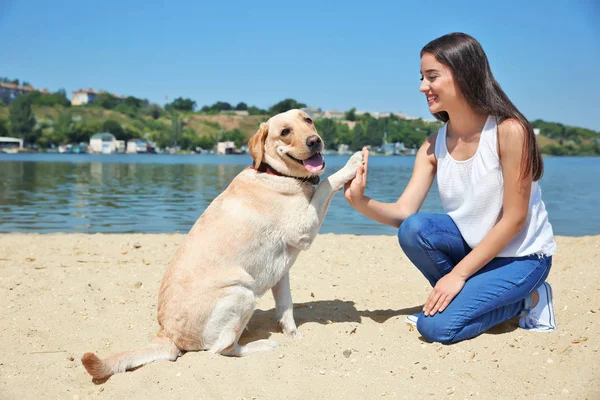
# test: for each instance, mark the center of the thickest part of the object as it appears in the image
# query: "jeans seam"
(444, 232)
(470, 312)
(547, 269)
(426, 238)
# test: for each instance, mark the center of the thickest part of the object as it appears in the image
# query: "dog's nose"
(313, 141)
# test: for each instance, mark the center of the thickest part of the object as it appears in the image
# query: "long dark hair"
(471, 70)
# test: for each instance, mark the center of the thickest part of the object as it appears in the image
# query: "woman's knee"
(436, 329)
(412, 229)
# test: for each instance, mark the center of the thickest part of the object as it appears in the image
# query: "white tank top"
(472, 195)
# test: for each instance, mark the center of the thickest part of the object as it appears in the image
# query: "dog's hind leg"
(227, 322)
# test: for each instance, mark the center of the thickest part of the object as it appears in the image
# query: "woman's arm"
(511, 136)
(411, 199)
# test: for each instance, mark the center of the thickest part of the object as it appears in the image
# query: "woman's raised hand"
(354, 191)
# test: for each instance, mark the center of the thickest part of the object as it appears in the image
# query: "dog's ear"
(256, 144)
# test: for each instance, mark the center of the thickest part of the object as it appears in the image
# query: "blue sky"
(328, 54)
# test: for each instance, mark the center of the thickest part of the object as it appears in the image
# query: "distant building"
(9, 144)
(378, 115)
(88, 96)
(402, 115)
(137, 146)
(373, 114)
(313, 112)
(104, 142)
(343, 149)
(334, 114)
(73, 148)
(226, 147)
(10, 91)
(536, 131)
(83, 96)
(393, 149)
(120, 146)
(242, 113)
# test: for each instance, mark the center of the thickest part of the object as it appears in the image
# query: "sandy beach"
(65, 294)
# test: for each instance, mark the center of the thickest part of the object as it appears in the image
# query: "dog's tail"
(162, 348)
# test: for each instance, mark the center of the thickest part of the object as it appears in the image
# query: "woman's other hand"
(443, 293)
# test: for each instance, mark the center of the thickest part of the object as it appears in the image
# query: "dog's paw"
(290, 330)
(349, 171)
(294, 333)
(356, 160)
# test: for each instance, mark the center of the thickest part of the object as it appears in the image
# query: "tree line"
(169, 126)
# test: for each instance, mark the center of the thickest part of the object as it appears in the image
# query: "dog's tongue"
(314, 164)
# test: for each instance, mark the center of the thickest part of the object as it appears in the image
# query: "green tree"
(176, 130)
(236, 136)
(155, 111)
(181, 104)
(328, 130)
(187, 140)
(241, 106)
(285, 105)
(374, 131)
(206, 142)
(364, 117)
(162, 138)
(222, 106)
(84, 130)
(112, 126)
(554, 150)
(3, 127)
(135, 103)
(345, 135)
(22, 119)
(60, 97)
(47, 135)
(351, 114)
(64, 129)
(191, 141)
(126, 109)
(359, 139)
(106, 101)
(38, 98)
(257, 111)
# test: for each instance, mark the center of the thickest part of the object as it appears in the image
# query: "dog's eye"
(310, 121)
(285, 132)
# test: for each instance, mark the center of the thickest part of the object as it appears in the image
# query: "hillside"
(55, 122)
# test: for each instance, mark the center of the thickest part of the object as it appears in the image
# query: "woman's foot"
(412, 319)
(539, 315)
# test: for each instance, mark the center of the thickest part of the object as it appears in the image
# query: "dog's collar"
(267, 169)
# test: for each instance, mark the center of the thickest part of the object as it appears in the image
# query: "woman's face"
(438, 84)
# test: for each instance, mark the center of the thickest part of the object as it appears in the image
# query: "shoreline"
(75, 292)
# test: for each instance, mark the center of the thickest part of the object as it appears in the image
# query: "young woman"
(487, 257)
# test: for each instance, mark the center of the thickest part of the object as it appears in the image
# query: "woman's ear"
(256, 144)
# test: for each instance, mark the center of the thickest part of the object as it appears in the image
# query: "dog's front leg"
(347, 173)
(284, 307)
(325, 191)
(320, 200)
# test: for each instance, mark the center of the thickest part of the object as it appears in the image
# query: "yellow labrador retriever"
(243, 245)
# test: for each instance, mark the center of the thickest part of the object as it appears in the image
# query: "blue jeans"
(493, 295)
